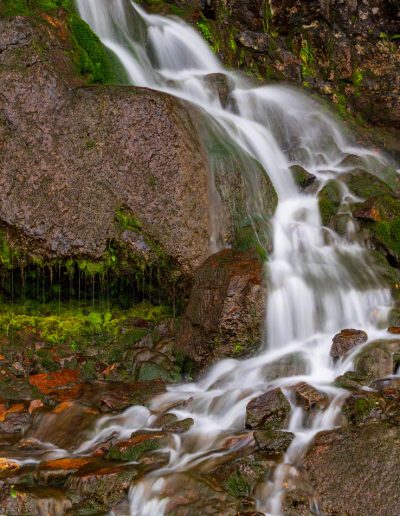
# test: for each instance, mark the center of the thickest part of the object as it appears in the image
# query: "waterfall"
(318, 282)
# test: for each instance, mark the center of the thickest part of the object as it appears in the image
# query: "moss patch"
(329, 201)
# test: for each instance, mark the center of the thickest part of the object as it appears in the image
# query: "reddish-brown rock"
(346, 340)
(225, 312)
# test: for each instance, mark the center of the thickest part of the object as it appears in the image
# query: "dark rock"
(189, 494)
(273, 441)
(302, 177)
(105, 485)
(136, 446)
(361, 407)
(354, 470)
(309, 397)
(178, 427)
(20, 500)
(346, 340)
(239, 477)
(222, 85)
(376, 360)
(288, 365)
(270, 410)
(226, 308)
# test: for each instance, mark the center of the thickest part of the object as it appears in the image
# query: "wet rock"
(273, 441)
(270, 410)
(63, 385)
(329, 199)
(8, 467)
(361, 407)
(289, 365)
(136, 446)
(376, 360)
(297, 502)
(225, 310)
(220, 84)
(364, 185)
(189, 494)
(105, 485)
(56, 471)
(16, 420)
(36, 500)
(309, 397)
(369, 454)
(346, 340)
(178, 427)
(302, 177)
(239, 477)
(394, 330)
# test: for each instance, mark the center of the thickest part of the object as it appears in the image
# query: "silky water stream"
(318, 282)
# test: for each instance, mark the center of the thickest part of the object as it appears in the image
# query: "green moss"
(357, 78)
(8, 256)
(307, 59)
(134, 452)
(93, 58)
(237, 486)
(365, 185)
(329, 201)
(246, 239)
(128, 220)
(28, 7)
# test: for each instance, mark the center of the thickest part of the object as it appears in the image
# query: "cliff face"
(83, 166)
(346, 50)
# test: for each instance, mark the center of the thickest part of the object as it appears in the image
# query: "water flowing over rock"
(225, 312)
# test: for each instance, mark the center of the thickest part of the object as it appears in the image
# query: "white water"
(319, 283)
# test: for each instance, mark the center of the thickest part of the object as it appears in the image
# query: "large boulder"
(84, 166)
(225, 312)
(354, 470)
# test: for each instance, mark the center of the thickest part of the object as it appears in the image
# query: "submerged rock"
(346, 340)
(270, 410)
(226, 308)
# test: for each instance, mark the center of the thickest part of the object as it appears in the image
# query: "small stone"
(133, 448)
(395, 330)
(302, 177)
(309, 397)
(179, 427)
(346, 340)
(268, 410)
(273, 442)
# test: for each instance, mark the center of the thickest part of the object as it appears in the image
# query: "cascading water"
(318, 282)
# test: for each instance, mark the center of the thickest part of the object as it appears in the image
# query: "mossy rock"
(364, 185)
(136, 446)
(302, 177)
(329, 199)
(380, 215)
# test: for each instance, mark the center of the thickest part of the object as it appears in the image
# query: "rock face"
(345, 49)
(73, 156)
(347, 340)
(226, 308)
(356, 468)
